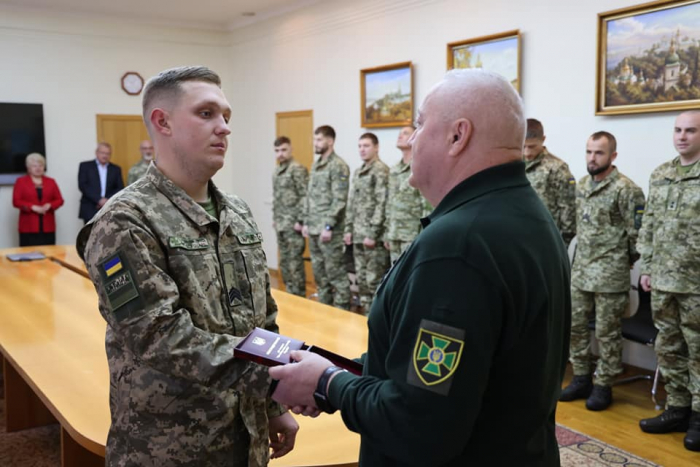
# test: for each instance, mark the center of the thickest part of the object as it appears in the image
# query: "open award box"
(271, 349)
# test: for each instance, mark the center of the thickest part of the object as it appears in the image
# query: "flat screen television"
(21, 133)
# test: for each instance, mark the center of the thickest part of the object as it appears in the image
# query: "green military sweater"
(476, 311)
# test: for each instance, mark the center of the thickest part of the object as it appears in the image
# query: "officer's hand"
(305, 231)
(297, 381)
(312, 412)
(369, 243)
(326, 236)
(283, 433)
(386, 245)
(298, 227)
(347, 239)
(645, 280)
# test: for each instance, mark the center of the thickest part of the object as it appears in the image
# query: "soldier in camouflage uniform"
(405, 205)
(181, 277)
(364, 226)
(324, 220)
(551, 179)
(669, 243)
(289, 184)
(609, 208)
(138, 170)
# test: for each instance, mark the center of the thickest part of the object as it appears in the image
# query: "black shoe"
(579, 388)
(692, 437)
(673, 419)
(600, 398)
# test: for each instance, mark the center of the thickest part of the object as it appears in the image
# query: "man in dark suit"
(98, 180)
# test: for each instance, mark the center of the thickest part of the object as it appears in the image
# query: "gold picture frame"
(647, 58)
(386, 96)
(499, 53)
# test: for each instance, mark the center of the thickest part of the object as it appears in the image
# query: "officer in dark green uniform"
(478, 303)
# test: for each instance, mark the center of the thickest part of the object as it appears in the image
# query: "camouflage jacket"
(404, 207)
(137, 171)
(327, 195)
(670, 237)
(179, 291)
(367, 201)
(289, 184)
(552, 180)
(608, 216)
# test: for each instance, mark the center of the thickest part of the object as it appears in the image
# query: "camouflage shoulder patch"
(118, 283)
(638, 214)
(436, 356)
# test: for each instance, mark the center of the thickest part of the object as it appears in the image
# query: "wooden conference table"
(55, 367)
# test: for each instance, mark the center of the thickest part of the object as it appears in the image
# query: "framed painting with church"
(648, 58)
(386, 96)
(499, 53)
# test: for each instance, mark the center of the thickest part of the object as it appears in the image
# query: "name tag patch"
(188, 243)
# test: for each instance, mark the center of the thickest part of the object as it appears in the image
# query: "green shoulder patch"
(436, 356)
(118, 283)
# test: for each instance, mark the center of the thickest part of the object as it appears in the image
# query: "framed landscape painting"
(387, 95)
(499, 53)
(648, 58)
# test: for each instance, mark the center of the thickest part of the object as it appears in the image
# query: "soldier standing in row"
(609, 208)
(324, 220)
(364, 226)
(405, 205)
(551, 179)
(289, 184)
(670, 246)
(138, 170)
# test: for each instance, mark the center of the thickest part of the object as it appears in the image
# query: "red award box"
(271, 349)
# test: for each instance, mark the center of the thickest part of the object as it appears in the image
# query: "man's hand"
(298, 227)
(298, 381)
(387, 246)
(101, 202)
(347, 239)
(326, 236)
(283, 433)
(369, 243)
(305, 231)
(645, 280)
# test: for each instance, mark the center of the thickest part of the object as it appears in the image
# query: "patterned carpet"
(579, 450)
(40, 447)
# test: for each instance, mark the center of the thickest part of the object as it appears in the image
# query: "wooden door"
(124, 133)
(299, 127)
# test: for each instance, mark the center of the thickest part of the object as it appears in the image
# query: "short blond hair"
(34, 157)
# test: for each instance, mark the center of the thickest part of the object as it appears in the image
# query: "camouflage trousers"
(370, 266)
(330, 273)
(677, 317)
(396, 248)
(609, 308)
(291, 245)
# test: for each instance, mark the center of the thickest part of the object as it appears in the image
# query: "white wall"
(73, 65)
(311, 60)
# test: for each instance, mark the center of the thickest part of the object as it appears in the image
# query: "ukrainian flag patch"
(112, 266)
(572, 181)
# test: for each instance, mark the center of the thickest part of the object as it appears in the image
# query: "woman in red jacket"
(37, 197)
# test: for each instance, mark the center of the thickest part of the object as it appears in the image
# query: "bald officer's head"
(470, 121)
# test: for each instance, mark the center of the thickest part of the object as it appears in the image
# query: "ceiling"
(210, 14)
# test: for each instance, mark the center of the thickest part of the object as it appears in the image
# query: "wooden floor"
(619, 425)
